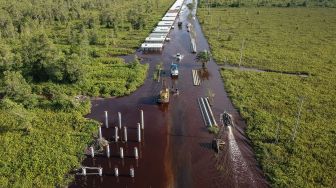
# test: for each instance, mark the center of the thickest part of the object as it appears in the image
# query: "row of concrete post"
(100, 171)
(121, 149)
(116, 172)
(119, 119)
(116, 134)
(121, 152)
(116, 137)
(135, 151)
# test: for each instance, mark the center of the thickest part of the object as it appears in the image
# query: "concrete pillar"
(100, 171)
(136, 155)
(121, 152)
(116, 134)
(139, 133)
(100, 132)
(125, 134)
(108, 151)
(84, 171)
(132, 172)
(106, 119)
(119, 119)
(142, 120)
(92, 152)
(116, 172)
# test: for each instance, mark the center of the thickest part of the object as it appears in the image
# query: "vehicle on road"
(188, 27)
(174, 69)
(179, 24)
(164, 93)
(179, 56)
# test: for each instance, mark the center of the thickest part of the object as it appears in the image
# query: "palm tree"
(203, 57)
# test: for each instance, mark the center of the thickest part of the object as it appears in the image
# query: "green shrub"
(213, 130)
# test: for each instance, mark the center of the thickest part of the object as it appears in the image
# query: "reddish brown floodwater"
(176, 147)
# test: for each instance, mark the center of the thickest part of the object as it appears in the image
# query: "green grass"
(291, 40)
(40, 147)
(268, 3)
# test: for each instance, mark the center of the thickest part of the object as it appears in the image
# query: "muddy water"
(176, 147)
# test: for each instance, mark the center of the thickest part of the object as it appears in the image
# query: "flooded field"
(176, 147)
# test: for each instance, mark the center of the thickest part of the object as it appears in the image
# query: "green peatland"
(295, 148)
(54, 55)
(267, 3)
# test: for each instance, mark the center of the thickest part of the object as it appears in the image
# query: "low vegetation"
(203, 57)
(267, 3)
(213, 129)
(54, 55)
(295, 148)
(158, 71)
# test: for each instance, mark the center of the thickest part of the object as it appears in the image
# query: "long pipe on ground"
(196, 78)
(193, 75)
(206, 112)
(200, 106)
(209, 108)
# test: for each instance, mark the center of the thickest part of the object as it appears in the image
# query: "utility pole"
(241, 52)
(297, 119)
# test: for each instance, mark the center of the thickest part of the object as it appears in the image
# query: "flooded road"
(176, 147)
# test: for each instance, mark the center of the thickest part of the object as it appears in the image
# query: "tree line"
(53, 54)
(49, 41)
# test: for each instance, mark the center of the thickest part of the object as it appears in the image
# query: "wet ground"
(176, 146)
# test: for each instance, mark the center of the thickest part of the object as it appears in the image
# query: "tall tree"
(73, 69)
(8, 59)
(17, 89)
(37, 54)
